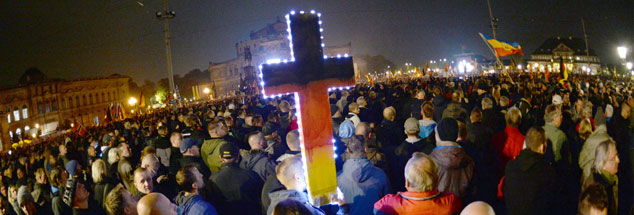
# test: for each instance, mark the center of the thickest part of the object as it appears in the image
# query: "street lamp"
(132, 101)
(622, 50)
(628, 65)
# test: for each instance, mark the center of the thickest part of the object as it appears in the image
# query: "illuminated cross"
(309, 75)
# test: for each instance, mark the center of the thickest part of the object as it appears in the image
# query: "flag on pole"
(504, 48)
(142, 98)
(547, 74)
(426, 68)
(122, 113)
(167, 100)
(563, 74)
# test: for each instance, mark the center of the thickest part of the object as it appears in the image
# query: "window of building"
(54, 104)
(25, 112)
(83, 100)
(96, 120)
(48, 106)
(70, 102)
(16, 114)
(18, 131)
(76, 101)
(11, 134)
(9, 118)
(40, 107)
(90, 101)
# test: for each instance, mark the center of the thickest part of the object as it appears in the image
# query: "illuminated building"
(270, 42)
(40, 106)
(573, 50)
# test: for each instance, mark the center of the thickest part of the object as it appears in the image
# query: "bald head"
(478, 208)
(155, 204)
(362, 129)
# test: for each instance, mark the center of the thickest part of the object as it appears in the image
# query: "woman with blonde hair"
(603, 172)
(103, 184)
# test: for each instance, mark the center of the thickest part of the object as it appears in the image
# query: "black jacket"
(198, 163)
(235, 190)
(529, 185)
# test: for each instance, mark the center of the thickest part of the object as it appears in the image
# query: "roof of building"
(278, 27)
(32, 75)
(577, 45)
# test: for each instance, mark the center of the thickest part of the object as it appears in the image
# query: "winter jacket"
(398, 159)
(529, 184)
(210, 153)
(235, 190)
(557, 140)
(259, 162)
(507, 145)
(586, 157)
(426, 127)
(419, 203)
(280, 195)
(193, 204)
(362, 184)
(389, 133)
(440, 103)
(455, 169)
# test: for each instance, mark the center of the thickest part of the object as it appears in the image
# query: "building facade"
(268, 43)
(573, 52)
(40, 106)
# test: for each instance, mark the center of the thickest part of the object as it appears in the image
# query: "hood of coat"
(361, 169)
(450, 157)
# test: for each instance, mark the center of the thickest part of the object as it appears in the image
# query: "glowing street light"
(132, 101)
(37, 125)
(206, 90)
(622, 50)
(628, 65)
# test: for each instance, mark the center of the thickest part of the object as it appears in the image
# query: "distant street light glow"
(622, 50)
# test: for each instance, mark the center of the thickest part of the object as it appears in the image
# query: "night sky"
(73, 39)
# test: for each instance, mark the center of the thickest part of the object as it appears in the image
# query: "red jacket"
(415, 203)
(507, 145)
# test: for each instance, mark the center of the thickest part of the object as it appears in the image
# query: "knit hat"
(346, 129)
(411, 126)
(188, 143)
(447, 129)
(228, 151)
(24, 195)
(71, 167)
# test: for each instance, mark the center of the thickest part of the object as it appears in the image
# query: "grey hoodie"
(259, 162)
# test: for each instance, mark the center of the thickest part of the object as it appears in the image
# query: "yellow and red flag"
(563, 73)
(504, 48)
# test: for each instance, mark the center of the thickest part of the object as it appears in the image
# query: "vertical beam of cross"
(309, 75)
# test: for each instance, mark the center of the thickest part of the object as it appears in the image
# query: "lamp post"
(206, 92)
(132, 102)
(622, 51)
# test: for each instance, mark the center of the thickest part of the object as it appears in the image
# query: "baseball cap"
(188, 143)
(228, 151)
(411, 125)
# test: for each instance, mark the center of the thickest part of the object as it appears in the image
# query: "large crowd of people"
(495, 144)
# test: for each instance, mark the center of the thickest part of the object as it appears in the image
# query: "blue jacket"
(362, 185)
(193, 204)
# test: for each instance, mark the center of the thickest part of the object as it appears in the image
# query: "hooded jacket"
(235, 190)
(210, 153)
(507, 145)
(528, 186)
(259, 162)
(426, 127)
(280, 195)
(440, 103)
(362, 184)
(193, 204)
(455, 169)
